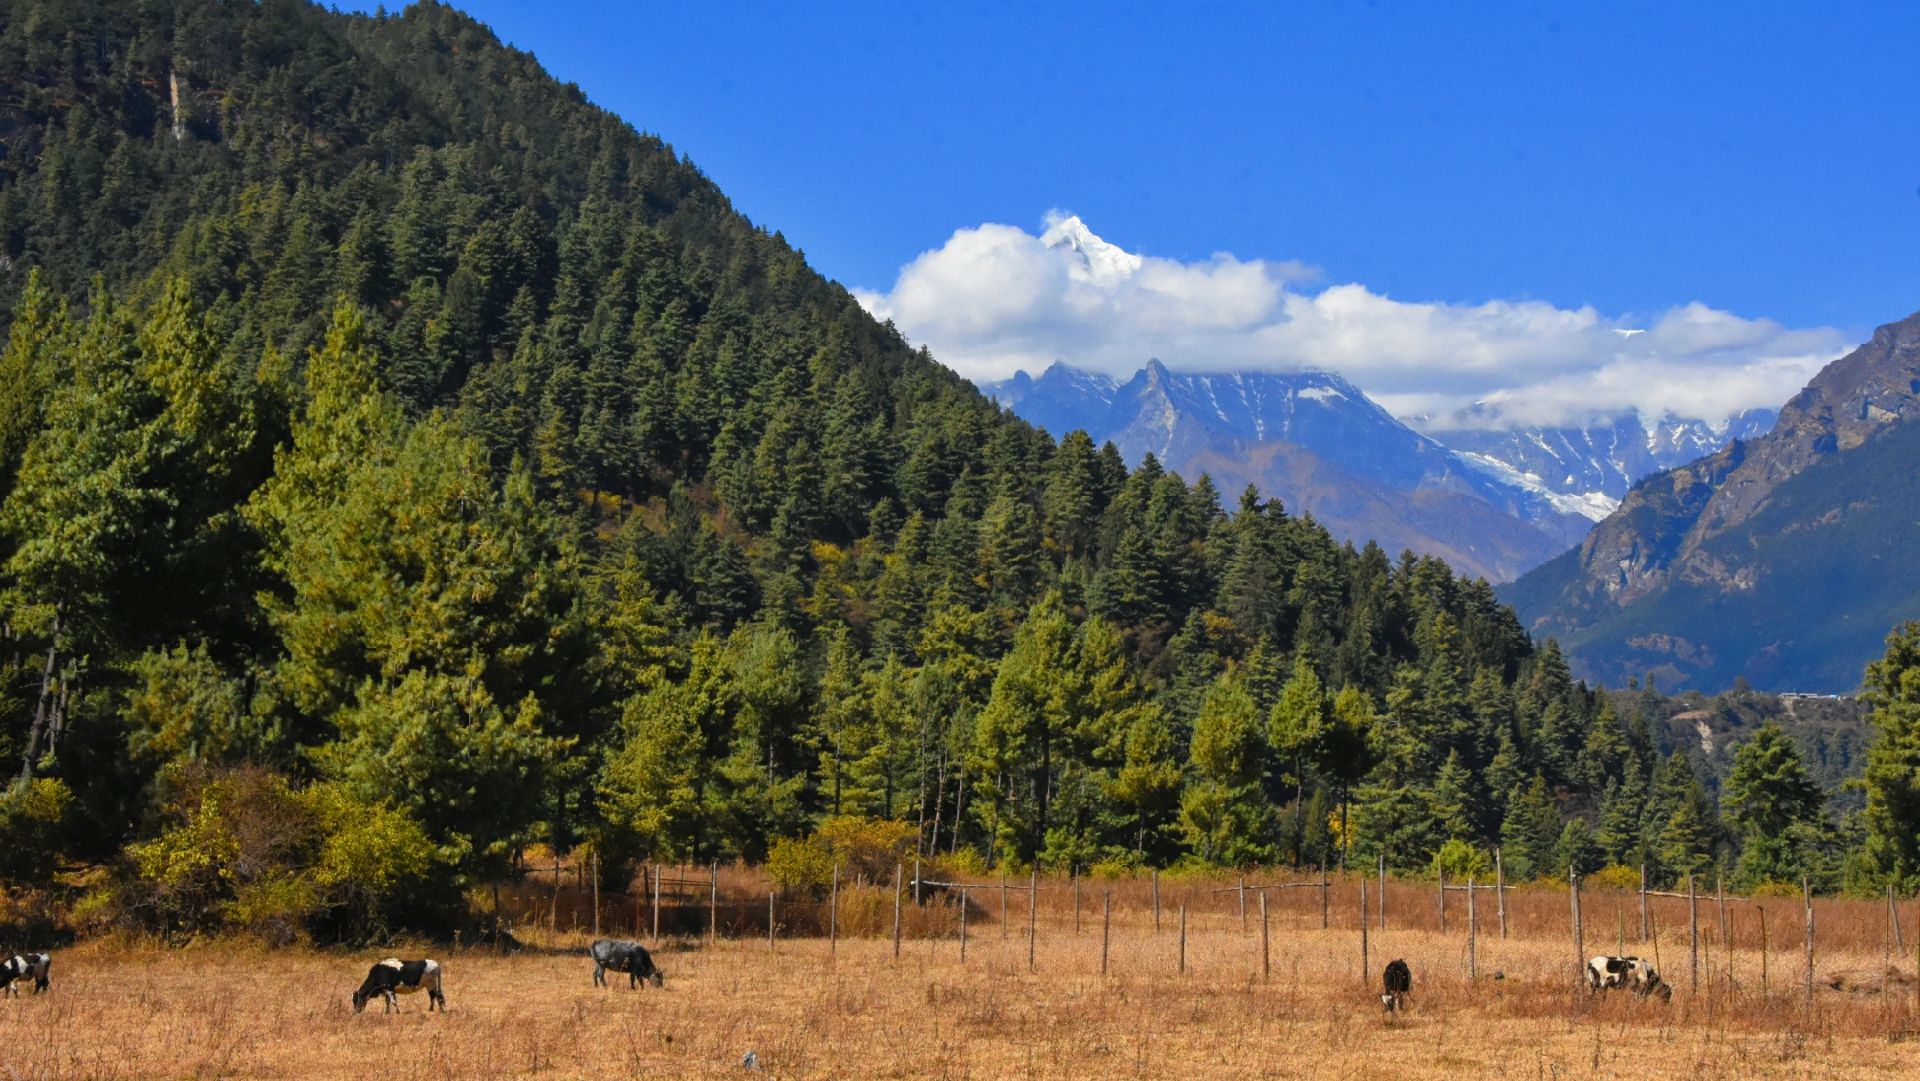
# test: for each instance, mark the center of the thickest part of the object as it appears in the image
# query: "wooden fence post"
(656, 902)
(1324, 884)
(1726, 962)
(1693, 937)
(897, 868)
(713, 902)
(1440, 875)
(1383, 889)
(1654, 927)
(1183, 938)
(1156, 902)
(1003, 900)
(1076, 904)
(1500, 890)
(963, 925)
(916, 879)
(1579, 933)
(596, 892)
(1266, 952)
(770, 920)
(1806, 893)
(1643, 902)
(1763, 951)
(1365, 979)
(1033, 913)
(1726, 939)
(833, 913)
(1473, 964)
(1243, 904)
(1106, 927)
(1893, 920)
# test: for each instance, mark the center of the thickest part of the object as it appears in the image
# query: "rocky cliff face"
(1692, 572)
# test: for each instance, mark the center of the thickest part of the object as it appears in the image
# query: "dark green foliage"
(435, 444)
(1891, 849)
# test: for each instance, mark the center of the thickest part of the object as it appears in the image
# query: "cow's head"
(658, 979)
(359, 1001)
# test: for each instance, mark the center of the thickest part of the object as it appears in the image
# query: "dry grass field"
(810, 1011)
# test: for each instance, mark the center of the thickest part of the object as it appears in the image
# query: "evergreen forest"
(404, 463)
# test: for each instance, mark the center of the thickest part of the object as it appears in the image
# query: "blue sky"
(1758, 159)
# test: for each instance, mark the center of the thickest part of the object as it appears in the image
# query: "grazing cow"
(1396, 983)
(22, 966)
(622, 956)
(1607, 973)
(404, 977)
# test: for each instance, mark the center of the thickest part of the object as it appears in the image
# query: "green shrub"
(800, 865)
(1459, 860)
(245, 851)
(867, 848)
(1615, 876)
(34, 824)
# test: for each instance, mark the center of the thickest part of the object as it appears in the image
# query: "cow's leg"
(392, 1003)
(599, 974)
(435, 998)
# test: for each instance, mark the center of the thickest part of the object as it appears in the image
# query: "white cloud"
(996, 299)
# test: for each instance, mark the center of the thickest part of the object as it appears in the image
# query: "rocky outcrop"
(1763, 518)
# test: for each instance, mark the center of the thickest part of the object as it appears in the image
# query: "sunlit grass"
(129, 1010)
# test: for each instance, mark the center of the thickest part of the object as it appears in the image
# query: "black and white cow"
(622, 956)
(1396, 983)
(25, 965)
(1632, 973)
(393, 976)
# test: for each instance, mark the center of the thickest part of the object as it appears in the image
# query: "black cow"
(22, 966)
(1606, 973)
(1396, 983)
(393, 976)
(622, 956)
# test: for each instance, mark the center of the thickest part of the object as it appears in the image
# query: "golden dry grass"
(122, 1011)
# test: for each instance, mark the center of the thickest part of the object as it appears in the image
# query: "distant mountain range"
(1493, 502)
(1784, 559)
(1587, 470)
(1321, 446)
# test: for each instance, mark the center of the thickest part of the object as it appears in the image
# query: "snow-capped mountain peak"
(1099, 262)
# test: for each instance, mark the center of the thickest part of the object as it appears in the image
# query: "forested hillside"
(405, 462)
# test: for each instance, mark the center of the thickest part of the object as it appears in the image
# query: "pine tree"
(1453, 803)
(654, 792)
(1890, 851)
(1017, 734)
(1297, 729)
(1620, 834)
(1531, 832)
(1225, 812)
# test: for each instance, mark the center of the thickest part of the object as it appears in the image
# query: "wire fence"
(1772, 943)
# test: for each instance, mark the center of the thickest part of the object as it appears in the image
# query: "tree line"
(403, 463)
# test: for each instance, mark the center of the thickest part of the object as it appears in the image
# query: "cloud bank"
(996, 299)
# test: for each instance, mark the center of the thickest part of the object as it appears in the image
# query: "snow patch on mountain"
(1099, 262)
(1592, 506)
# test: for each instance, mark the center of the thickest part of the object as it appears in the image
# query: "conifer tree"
(1890, 851)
